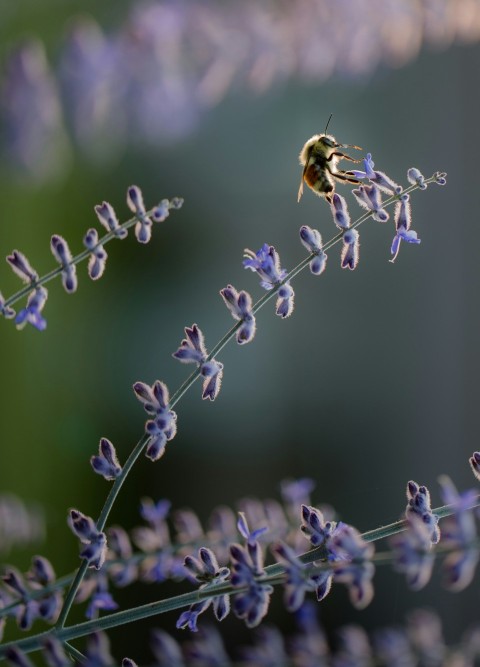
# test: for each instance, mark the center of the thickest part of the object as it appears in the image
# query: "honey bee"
(319, 158)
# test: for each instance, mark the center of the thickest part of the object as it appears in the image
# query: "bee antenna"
(328, 123)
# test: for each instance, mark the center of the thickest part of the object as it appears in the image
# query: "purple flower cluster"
(95, 540)
(266, 263)
(163, 425)
(32, 312)
(192, 350)
(33, 602)
(206, 570)
(240, 306)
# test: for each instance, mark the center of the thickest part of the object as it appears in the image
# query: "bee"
(319, 158)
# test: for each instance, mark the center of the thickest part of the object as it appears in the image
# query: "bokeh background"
(374, 379)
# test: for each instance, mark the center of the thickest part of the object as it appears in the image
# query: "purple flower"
(247, 571)
(368, 196)
(96, 541)
(316, 529)
(120, 549)
(42, 575)
(341, 216)
(192, 350)
(312, 241)
(106, 463)
(240, 305)
(98, 651)
(412, 552)
(101, 598)
(416, 178)
(32, 313)
(474, 461)
(54, 653)
(27, 611)
(244, 530)
(106, 215)
(403, 220)
(6, 311)
(21, 266)
(356, 569)
(266, 263)
(163, 426)
(298, 579)
(285, 302)
(162, 210)
(206, 570)
(459, 536)
(440, 178)
(419, 505)
(143, 228)
(350, 250)
(17, 658)
(62, 254)
(380, 179)
(165, 649)
(98, 254)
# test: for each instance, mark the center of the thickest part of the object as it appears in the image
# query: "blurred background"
(371, 382)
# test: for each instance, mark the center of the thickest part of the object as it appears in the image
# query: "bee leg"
(345, 176)
(344, 156)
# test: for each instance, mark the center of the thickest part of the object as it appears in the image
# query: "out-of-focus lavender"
(20, 525)
(151, 80)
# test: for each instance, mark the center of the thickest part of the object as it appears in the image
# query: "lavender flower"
(21, 266)
(98, 651)
(474, 461)
(27, 611)
(247, 571)
(192, 350)
(368, 196)
(101, 598)
(98, 254)
(341, 216)
(356, 569)
(42, 575)
(266, 263)
(166, 650)
(17, 658)
(312, 241)
(298, 578)
(459, 535)
(6, 311)
(54, 653)
(419, 505)
(143, 228)
(120, 549)
(106, 463)
(106, 214)
(412, 552)
(381, 180)
(350, 250)
(96, 542)
(415, 177)
(163, 426)
(62, 254)
(32, 313)
(206, 570)
(403, 220)
(240, 305)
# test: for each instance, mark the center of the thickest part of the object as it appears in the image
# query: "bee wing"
(300, 189)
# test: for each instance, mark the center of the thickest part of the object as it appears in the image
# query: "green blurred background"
(371, 382)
